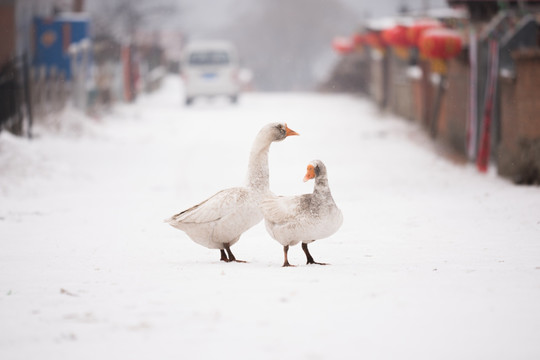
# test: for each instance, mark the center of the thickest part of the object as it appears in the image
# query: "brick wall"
(7, 29)
(519, 149)
(455, 107)
(427, 94)
(378, 88)
(400, 96)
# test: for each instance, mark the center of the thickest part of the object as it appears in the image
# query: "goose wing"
(280, 209)
(221, 204)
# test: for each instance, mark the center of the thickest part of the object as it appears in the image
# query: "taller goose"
(219, 221)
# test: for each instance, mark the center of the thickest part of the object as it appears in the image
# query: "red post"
(127, 73)
(482, 160)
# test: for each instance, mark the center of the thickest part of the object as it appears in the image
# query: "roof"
(210, 44)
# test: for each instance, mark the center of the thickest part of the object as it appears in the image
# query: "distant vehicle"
(210, 68)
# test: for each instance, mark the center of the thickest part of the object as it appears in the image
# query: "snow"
(434, 260)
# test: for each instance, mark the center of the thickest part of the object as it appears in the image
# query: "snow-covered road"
(433, 261)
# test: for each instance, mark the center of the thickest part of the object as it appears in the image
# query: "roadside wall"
(400, 94)
(454, 109)
(519, 149)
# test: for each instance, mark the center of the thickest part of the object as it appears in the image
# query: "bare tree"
(282, 40)
(122, 18)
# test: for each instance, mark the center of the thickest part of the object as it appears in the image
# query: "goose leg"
(309, 257)
(223, 256)
(230, 254)
(285, 251)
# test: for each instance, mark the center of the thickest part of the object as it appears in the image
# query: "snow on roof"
(441, 13)
(210, 44)
(379, 24)
(382, 23)
(73, 16)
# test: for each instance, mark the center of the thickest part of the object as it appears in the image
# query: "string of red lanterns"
(342, 45)
(397, 36)
(440, 43)
(433, 40)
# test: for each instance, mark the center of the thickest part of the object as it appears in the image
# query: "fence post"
(17, 126)
(73, 54)
(51, 87)
(85, 46)
(27, 94)
(63, 88)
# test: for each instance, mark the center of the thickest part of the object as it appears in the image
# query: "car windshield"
(209, 58)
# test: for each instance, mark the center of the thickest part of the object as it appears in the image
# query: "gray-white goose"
(303, 218)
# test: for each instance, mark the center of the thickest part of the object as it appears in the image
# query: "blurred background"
(467, 71)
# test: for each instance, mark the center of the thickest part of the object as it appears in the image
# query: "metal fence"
(28, 93)
(15, 97)
(49, 91)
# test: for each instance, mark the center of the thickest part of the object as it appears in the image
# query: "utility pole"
(77, 6)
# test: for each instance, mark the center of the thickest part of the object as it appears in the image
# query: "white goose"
(218, 222)
(303, 218)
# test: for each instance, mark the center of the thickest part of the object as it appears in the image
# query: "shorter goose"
(303, 218)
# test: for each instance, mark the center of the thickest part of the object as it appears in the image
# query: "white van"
(210, 68)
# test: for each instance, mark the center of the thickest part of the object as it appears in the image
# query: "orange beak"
(290, 132)
(310, 174)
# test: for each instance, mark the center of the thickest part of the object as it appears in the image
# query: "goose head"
(276, 132)
(315, 169)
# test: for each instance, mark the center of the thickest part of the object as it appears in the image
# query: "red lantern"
(358, 40)
(342, 45)
(375, 40)
(416, 30)
(440, 43)
(396, 36)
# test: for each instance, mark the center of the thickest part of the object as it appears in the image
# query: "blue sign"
(53, 36)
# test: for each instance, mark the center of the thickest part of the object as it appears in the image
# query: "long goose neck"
(258, 173)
